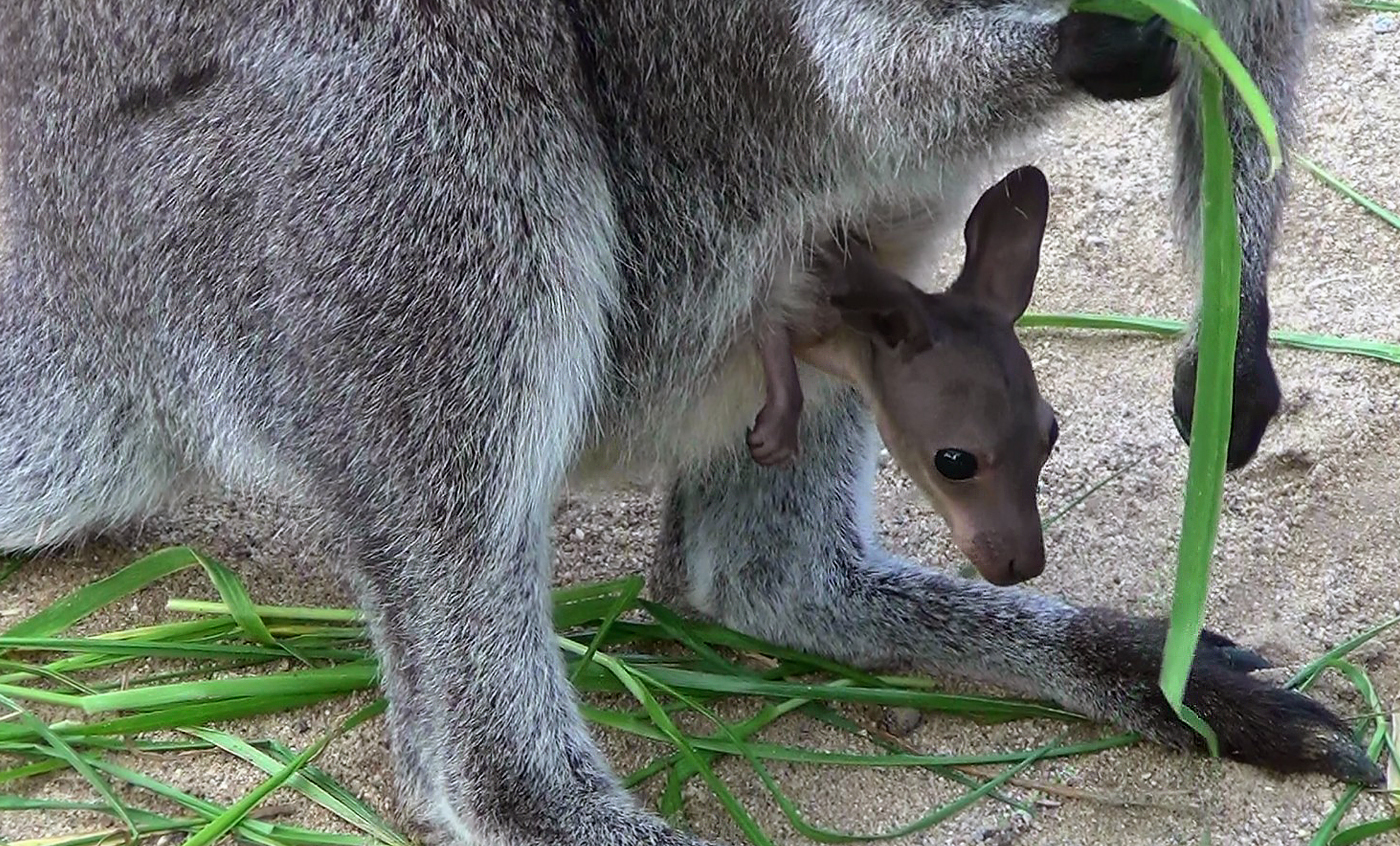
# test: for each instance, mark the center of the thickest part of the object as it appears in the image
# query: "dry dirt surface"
(1309, 545)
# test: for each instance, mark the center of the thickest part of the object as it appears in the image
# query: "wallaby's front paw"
(1113, 58)
(1255, 722)
(1255, 401)
(773, 438)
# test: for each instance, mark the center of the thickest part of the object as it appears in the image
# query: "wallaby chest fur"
(658, 207)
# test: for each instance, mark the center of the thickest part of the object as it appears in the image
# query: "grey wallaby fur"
(952, 390)
(419, 263)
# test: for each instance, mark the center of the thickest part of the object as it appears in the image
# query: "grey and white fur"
(419, 262)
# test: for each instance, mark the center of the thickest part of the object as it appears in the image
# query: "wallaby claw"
(1235, 656)
(1113, 58)
(1256, 400)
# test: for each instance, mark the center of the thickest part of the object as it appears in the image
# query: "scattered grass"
(612, 642)
(1375, 5)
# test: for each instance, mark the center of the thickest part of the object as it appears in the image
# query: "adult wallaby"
(950, 386)
(417, 262)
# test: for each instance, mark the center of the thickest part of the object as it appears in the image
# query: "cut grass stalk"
(236, 813)
(1379, 350)
(1348, 191)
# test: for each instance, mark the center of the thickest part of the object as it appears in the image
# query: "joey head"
(951, 388)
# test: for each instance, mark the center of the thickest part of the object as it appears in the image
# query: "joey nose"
(999, 565)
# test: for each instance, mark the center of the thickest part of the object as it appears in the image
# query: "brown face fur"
(966, 422)
(951, 388)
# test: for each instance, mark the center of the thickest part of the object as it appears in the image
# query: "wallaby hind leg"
(77, 456)
(453, 570)
(789, 554)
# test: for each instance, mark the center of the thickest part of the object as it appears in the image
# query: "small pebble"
(884, 458)
(901, 722)
(1383, 24)
(578, 534)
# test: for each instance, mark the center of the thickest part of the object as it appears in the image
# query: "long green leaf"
(225, 822)
(91, 597)
(314, 786)
(1210, 424)
(1346, 190)
(1364, 347)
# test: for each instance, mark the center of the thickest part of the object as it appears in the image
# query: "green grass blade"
(315, 786)
(91, 597)
(736, 811)
(268, 612)
(236, 597)
(8, 567)
(63, 750)
(1086, 493)
(225, 822)
(27, 770)
(180, 716)
(1364, 347)
(626, 599)
(1210, 427)
(1346, 190)
(254, 831)
(1362, 683)
(697, 681)
(794, 755)
(1309, 672)
(1366, 830)
(343, 678)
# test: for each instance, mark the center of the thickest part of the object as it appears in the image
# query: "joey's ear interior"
(874, 301)
(1003, 235)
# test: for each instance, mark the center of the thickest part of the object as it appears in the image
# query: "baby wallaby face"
(950, 386)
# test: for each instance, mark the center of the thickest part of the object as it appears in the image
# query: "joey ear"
(874, 301)
(1003, 235)
(892, 323)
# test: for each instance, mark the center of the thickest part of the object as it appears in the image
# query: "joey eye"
(955, 464)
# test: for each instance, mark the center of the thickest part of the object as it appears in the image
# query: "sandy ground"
(1308, 546)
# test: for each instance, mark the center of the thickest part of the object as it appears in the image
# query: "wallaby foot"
(1269, 37)
(1255, 722)
(1254, 401)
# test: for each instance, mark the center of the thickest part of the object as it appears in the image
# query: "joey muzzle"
(1005, 557)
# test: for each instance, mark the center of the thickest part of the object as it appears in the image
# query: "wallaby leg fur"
(416, 261)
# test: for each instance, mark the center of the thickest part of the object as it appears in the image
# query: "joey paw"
(1255, 722)
(773, 438)
(1113, 58)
